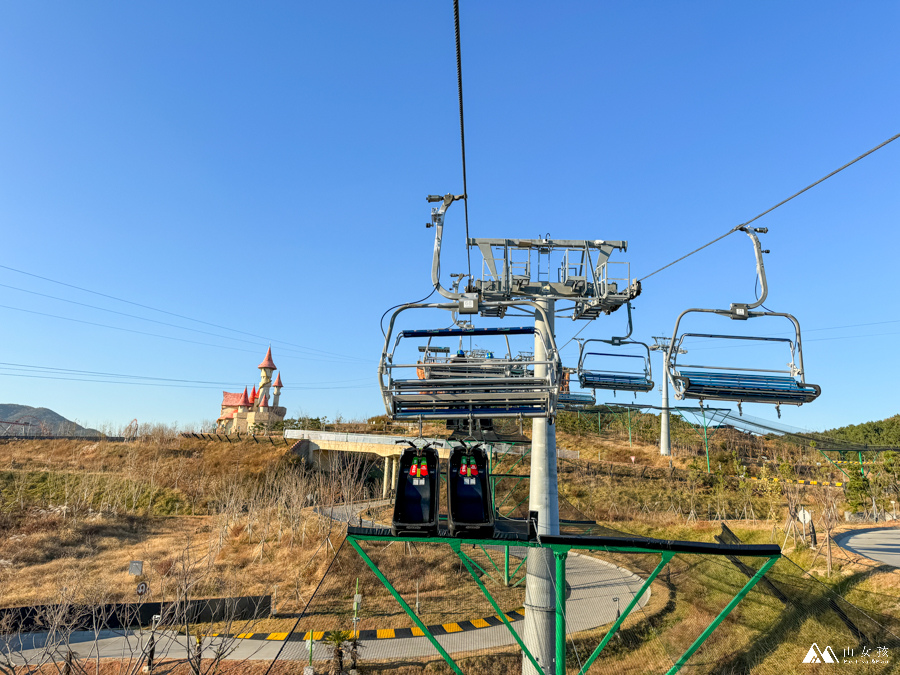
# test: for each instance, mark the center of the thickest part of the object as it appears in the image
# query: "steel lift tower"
(520, 271)
(661, 344)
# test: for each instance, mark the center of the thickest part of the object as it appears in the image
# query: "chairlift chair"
(634, 373)
(741, 384)
(468, 386)
(417, 492)
(470, 509)
(571, 400)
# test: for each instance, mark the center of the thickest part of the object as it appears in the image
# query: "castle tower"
(266, 368)
(277, 389)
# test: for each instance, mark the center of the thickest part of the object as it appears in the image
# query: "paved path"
(881, 544)
(592, 585)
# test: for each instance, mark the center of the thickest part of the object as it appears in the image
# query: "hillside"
(881, 432)
(46, 421)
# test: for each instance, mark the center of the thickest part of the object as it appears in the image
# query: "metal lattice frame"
(560, 552)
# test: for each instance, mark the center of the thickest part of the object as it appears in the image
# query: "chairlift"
(461, 385)
(571, 400)
(741, 384)
(632, 372)
(470, 510)
(417, 492)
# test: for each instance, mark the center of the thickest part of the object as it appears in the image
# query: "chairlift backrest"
(614, 369)
(472, 385)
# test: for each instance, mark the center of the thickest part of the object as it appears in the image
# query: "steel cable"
(781, 203)
(462, 134)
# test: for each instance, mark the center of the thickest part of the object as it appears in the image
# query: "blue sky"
(263, 169)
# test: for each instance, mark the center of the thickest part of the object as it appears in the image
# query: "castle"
(246, 413)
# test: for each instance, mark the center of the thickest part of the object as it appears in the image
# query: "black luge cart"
(470, 510)
(417, 493)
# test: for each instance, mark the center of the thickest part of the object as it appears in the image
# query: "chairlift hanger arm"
(740, 309)
(437, 221)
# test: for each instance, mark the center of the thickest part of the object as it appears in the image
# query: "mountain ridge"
(42, 421)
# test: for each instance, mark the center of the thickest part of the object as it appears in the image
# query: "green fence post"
(666, 557)
(705, 439)
(506, 565)
(629, 427)
(560, 611)
(406, 608)
(724, 613)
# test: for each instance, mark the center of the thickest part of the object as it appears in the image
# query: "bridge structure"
(323, 449)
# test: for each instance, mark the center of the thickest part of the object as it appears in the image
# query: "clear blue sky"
(263, 168)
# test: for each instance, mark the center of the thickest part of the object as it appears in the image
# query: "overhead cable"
(769, 210)
(164, 311)
(462, 131)
(158, 335)
(161, 323)
(94, 373)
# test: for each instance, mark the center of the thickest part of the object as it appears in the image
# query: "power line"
(163, 311)
(781, 203)
(159, 384)
(156, 321)
(52, 369)
(165, 337)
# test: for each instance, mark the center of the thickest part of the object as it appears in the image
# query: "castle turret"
(244, 403)
(276, 388)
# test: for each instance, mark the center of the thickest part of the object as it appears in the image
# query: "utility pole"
(661, 344)
(540, 603)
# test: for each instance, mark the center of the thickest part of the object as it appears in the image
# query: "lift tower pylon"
(521, 270)
(543, 502)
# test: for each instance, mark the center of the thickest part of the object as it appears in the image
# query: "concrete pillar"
(385, 489)
(395, 473)
(540, 602)
(665, 447)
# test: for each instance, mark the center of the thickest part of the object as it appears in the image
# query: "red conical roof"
(244, 400)
(253, 394)
(265, 402)
(267, 362)
(278, 381)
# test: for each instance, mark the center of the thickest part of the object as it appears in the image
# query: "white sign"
(142, 588)
(804, 516)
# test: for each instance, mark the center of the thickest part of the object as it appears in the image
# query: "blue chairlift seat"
(616, 380)
(744, 387)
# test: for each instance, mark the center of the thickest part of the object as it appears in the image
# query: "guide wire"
(781, 203)
(462, 135)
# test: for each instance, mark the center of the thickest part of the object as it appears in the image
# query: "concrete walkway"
(881, 544)
(592, 584)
